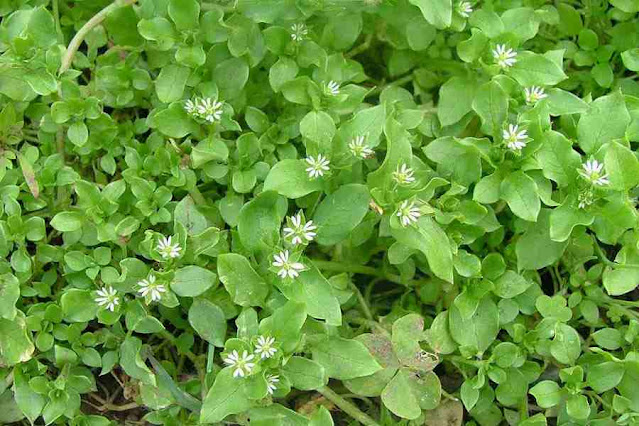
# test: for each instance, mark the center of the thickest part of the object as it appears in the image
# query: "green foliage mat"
(319, 212)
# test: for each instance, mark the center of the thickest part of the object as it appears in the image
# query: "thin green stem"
(362, 302)
(197, 196)
(348, 407)
(97, 19)
(328, 265)
(56, 17)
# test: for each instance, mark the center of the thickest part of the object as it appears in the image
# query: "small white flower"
(299, 32)
(241, 364)
(504, 56)
(534, 94)
(593, 172)
(359, 149)
(464, 9)
(408, 213)
(264, 347)
(148, 287)
(287, 268)
(271, 383)
(191, 106)
(317, 166)
(107, 297)
(332, 88)
(301, 232)
(167, 249)
(210, 110)
(514, 138)
(403, 175)
(586, 198)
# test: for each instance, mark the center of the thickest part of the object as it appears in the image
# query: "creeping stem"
(75, 43)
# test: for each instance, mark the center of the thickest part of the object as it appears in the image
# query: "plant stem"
(347, 407)
(197, 196)
(56, 17)
(97, 19)
(362, 302)
(328, 265)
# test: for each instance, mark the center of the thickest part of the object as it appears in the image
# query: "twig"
(347, 407)
(97, 19)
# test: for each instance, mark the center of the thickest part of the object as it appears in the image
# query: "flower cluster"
(244, 363)
(206, 109)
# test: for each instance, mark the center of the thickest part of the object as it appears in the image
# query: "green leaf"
(622, 166)
(9, 295)
(620, 280)
(558, 160)
(184, 13)
(491, 104)
(132, 362)
(259, 221)
(427, 237)
(16, 345)
(477, 331)
(510, 284)
(547, 393)
(318, 127)
(437, 12)
(29, 402)
(304, 374)
(78, 305)
(78, 133)
(285, 324)
(577, 407)
(290, 179)
(316, 293)
(566, 345)
(532, 69)
(520, 192)
(565, 103)
(191, 281)
(340, 213)
(243, 284)
(208, 320)
(605, 376)
(321, 417)
(399, 398)
(344, 359)
(173, 122)
(231, 76)
(169, 85)
(631, 59)
(536, 249)
(225, 397)
(565, 218)
(609, 109)
(455, 99)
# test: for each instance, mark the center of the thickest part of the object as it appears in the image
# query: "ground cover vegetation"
(319, 212)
